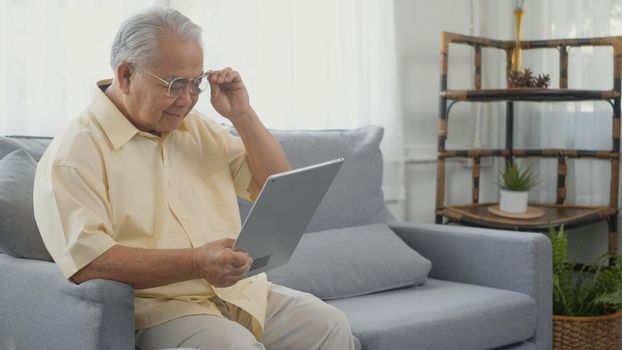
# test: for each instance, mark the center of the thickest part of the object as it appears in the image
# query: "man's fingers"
(239, 259)
(218, 76)
(232, 76)
(220, 265)
(226, 242)
(223, 76)
(239, 267)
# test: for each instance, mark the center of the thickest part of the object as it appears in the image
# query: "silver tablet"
(282, 213)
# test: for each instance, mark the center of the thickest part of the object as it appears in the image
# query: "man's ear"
(124, 73)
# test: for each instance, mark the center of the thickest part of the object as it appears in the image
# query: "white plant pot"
(513, 201)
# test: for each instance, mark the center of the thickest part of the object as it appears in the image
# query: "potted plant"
(586, 303)
(515, 183)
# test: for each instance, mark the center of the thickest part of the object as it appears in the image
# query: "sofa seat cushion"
(440, 315)
(352, 261)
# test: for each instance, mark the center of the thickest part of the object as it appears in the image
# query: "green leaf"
(610, 301)
(593, 291)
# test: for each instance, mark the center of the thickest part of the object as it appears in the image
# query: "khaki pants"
(294, 320)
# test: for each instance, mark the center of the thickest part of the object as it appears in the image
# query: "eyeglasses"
(178, 86)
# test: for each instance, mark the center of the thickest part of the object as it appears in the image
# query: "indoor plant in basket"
(515, 183)
(587, 303)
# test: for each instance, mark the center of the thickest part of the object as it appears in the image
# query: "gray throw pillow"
(19, 235)
(355, 198)
(352, 261)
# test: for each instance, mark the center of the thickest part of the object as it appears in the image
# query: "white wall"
(419, 24)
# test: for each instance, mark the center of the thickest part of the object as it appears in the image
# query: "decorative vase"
(517, 55)
(587, 333)
(513, 201)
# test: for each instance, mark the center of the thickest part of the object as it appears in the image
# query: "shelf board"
(542, 153)
(530, 94)
(554, 214)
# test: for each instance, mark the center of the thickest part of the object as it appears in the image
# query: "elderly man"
(140, 189)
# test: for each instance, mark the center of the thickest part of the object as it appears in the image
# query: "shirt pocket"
(216, 195)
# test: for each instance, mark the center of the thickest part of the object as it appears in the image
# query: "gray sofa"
(486, 289)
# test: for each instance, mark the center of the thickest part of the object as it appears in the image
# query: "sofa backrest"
(355, 198)
(34, 145)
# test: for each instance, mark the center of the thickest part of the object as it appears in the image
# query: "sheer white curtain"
(308, 64)
(320, 64)
(579, 125)
(575, 125)
(52, 53)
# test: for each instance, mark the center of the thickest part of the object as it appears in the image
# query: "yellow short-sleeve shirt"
(103, 182)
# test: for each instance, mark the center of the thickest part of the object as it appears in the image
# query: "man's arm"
(230, 98)
(264, 153)
(141, 268)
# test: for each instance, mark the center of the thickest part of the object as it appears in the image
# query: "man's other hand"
(220, 265)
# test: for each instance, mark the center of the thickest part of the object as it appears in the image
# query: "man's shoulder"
(77, 146)
(81, 138)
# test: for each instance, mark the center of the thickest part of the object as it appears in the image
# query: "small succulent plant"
(515, 178)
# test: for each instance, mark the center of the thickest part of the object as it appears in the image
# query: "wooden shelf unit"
(558, 213)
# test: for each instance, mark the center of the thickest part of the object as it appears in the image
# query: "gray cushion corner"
(19, 235)
(352, 261)
(35, 146)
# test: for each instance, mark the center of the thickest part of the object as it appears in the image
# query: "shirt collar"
(117, 128)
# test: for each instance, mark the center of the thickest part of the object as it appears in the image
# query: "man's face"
(149, 106)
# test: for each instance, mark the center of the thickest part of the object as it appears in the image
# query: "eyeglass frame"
(169, 84)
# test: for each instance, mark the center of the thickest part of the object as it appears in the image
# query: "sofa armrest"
(516, 261)
(42, 310)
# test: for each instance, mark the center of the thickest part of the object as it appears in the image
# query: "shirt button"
(185, 218)
(170, 183)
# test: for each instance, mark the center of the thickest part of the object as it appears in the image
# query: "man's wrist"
(195, 262)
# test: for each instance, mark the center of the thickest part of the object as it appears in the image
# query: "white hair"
(136, 41)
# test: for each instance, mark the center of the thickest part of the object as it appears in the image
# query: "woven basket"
(586, 333)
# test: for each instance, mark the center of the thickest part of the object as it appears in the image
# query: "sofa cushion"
(35, 146)
(351, 261)
(355, 197)
(440, 315)
(19, 235)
